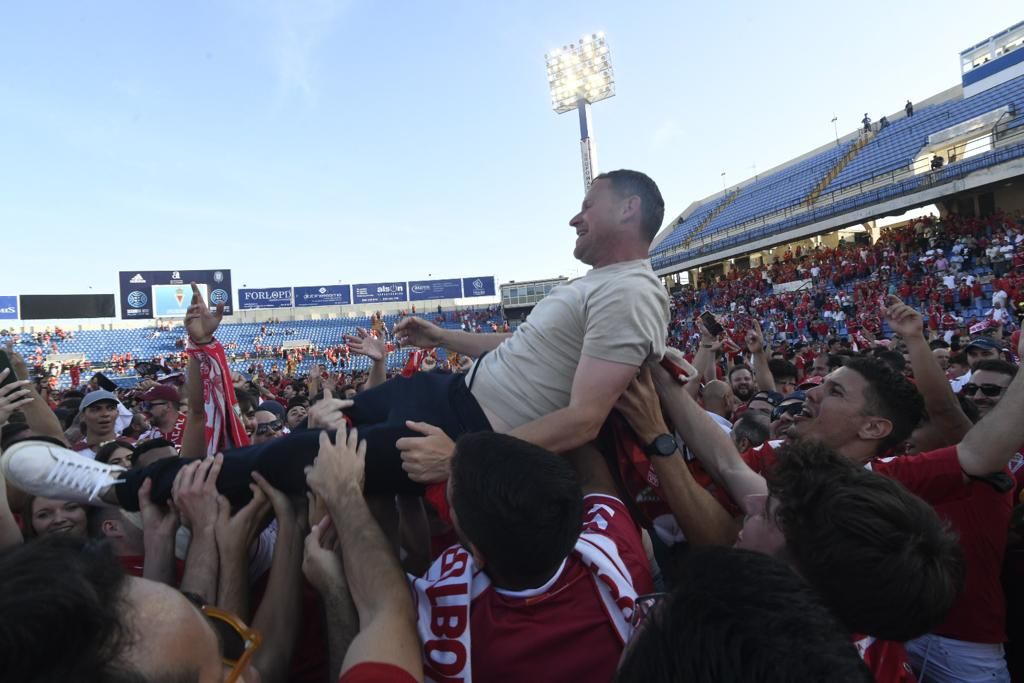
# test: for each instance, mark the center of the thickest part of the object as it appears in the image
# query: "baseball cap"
(273, 407)
(985, 343)
(94, 397)
(160, 392)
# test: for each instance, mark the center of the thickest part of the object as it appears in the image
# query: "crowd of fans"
(828, 488)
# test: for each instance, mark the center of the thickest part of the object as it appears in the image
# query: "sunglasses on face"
(644, 606)
(265, 427)
(990, 390)
(791, 409)
(238, 641)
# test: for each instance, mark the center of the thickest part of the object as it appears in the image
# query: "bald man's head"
(719, 399)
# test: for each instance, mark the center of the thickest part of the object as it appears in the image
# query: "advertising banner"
(328, 295)
(379, 292)
(137, 292)
(8, 308)
(478, 286)
(425, 290)
(265, 297)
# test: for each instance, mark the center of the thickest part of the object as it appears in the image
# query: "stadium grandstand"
(961, 150)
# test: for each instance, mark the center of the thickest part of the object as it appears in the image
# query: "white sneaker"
(43, 469)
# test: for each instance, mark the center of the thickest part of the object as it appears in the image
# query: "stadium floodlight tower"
(580, 74)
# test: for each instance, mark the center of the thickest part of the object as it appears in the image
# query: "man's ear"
(875, 428)
(111, 528)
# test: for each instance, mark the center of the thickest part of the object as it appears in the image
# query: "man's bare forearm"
(762, 373)
(342, 626)
(560, 431)
(375, 578)
(280, 611)
(378, 373)
(945, 416)
(470, 344)
(991, 443)
(201, 566)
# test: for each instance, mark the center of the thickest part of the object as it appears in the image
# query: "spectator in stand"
(298, 408)
(867, 123)
(268, 426)
(98, 414)
(720, 403)
(982, 348)
(741, 381)
(47, 516)
(909, 108)
(989, 381)
(168, 422)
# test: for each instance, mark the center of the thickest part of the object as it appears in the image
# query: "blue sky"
(314, 142)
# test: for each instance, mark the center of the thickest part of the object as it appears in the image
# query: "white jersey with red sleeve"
(572, 628)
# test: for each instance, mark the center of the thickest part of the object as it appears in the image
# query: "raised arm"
(379, 589)
(712, 446)
(413, 331)
(193, 441)
(374, 348)
(759, 358)
(702, 519)
(38, 415)
(995, 439)
(947, 423)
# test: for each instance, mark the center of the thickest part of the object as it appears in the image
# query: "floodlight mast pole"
(588, 148)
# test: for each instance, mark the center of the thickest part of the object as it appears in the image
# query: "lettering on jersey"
(445, 654)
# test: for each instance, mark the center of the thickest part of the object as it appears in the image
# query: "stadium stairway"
(851, 153)
(710, 217)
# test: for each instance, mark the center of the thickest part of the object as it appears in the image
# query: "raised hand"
(340, 466)
(18, 363)
(640, 406)
(366, 344)
(320, 565)
(13, 396)
(200, 322)
(328, 413)
(426, 459)
(195, 492)
(156, 521)
(903, 319)
(755, 338)
(415, 331)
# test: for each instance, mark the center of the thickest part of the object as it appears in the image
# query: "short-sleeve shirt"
(573, 628)
(979, 514)
(617, 313)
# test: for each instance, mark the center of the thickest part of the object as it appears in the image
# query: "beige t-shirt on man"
(616, 313)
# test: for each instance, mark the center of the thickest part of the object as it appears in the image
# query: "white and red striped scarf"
(224, 428)
(444, 595)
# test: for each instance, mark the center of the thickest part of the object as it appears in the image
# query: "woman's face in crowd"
(51, 516)
(122, 457)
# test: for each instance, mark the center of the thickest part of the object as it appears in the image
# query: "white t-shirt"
(618, 313)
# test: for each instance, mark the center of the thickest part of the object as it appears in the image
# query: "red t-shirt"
(979, 515)
(573, 627)
(376, 672)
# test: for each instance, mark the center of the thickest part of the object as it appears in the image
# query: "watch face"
(664, 445)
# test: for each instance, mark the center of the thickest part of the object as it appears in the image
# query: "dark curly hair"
(889, 395)
(880, 557)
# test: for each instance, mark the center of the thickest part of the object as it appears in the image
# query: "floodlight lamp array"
(581, 70)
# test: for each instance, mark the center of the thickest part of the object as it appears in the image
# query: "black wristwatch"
(662, 447)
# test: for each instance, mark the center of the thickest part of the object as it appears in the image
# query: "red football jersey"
(573, 627)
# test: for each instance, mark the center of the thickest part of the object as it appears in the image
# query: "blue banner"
(265, 297)
(425, 290)
(140, 290)
(328, 295)
(8, 308)
(379, 292)
(478, 286)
